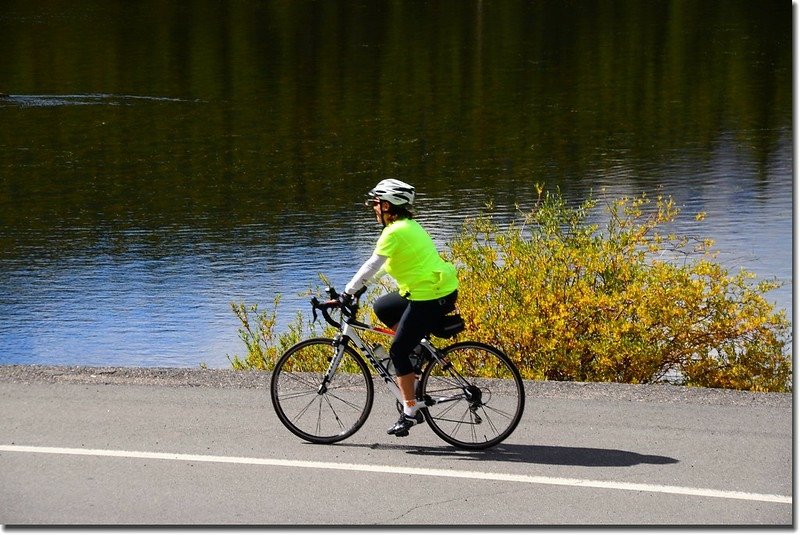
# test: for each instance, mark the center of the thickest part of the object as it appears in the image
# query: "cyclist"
(428, 286)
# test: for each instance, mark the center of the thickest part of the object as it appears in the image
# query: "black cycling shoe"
(400, 429)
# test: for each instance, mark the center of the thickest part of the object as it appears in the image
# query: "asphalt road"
(163, 447)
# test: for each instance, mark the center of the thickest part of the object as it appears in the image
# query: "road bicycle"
(471, 394)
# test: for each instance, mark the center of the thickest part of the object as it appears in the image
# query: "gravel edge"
(230, 378)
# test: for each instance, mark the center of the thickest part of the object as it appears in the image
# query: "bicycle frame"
(349, 332)
(349, 328)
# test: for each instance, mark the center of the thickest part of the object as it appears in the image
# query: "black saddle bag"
(449, 326)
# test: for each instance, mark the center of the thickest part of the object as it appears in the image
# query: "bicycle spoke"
(319, 416)
(498, 411)
(338, 420)
(296, 395)
(460, 422)
(450, 407)
(304, 409)
(298, 378)
(486, 418)
(345, 401)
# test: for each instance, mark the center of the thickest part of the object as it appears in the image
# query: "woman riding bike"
(428, 286)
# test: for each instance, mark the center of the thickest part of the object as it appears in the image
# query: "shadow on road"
(556, 455)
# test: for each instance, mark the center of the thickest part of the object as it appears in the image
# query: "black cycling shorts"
(414, 320)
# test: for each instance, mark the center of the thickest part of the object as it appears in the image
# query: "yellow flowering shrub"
(570, 300)
(263, 343)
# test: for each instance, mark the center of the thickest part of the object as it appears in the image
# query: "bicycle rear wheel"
(478, 396)
(317, 413)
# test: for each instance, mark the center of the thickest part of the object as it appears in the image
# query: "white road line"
(431, 472)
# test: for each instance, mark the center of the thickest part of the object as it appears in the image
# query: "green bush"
(571, 300)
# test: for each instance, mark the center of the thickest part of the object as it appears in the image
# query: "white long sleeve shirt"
(369, 272)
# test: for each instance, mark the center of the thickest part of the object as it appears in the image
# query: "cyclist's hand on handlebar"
(342, 300)
(348, 303)
(345, 299)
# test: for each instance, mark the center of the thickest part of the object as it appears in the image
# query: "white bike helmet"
(394, 191)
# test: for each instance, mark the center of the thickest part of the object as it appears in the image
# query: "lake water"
(159, 160)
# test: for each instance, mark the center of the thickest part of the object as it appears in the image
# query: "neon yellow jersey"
(414, 262)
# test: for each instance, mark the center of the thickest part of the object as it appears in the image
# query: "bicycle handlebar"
(349, 311)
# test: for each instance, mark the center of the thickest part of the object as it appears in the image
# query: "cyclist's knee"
(401, 361)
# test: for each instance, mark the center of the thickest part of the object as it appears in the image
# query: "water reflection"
(194, 153)
(39, 101)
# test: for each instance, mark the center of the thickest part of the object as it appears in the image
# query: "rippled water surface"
(159, 160)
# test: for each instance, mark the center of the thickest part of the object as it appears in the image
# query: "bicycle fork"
(333, 365)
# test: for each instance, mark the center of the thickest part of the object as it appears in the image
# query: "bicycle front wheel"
(477, 395)
(317, 412)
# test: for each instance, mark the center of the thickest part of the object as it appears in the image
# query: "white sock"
(410, 407)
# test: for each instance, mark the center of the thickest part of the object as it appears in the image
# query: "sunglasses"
(371, 202)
